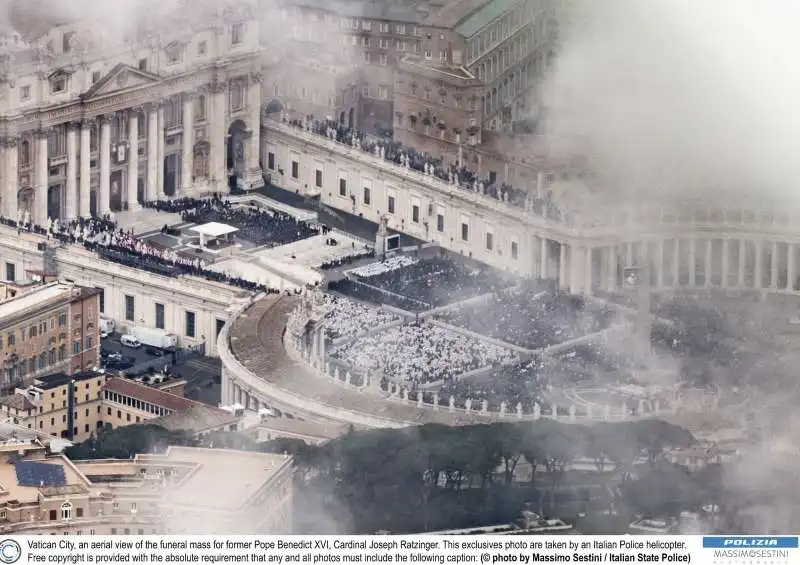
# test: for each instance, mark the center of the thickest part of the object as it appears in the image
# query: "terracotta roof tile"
(148, 394)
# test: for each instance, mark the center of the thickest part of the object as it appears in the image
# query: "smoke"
(680, 96)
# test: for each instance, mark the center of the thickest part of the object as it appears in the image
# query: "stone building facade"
(49, 329)
(93, 123)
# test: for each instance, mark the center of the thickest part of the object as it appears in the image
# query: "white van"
(130, 341)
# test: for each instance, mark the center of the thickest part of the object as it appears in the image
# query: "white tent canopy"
(212, 231)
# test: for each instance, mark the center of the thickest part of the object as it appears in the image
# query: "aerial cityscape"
(421, 266)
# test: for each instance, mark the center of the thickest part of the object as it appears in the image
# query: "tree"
(127, 441)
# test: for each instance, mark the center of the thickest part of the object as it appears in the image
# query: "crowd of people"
(420, 353)
(528, 317)
(519, 383)
(256, 225)
(456, 174)
(348, 318)
(430, 282)
(386, 265)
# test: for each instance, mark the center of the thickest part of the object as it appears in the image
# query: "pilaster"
(71, 190)
(41, 179)
(104, 197)
(187, 156)
(85, 197)
(133, 159)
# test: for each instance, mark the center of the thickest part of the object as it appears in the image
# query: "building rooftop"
(223, 479)
(56, 380)
(453, 13)
(484, 16)
(17, 401)
(148, 394)
(196, 418)
(11, 489)
(40, 297)
(403, 11)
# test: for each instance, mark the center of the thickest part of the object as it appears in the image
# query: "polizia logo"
(10, 551)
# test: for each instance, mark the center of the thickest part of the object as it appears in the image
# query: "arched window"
(66, 511)
(25, 153)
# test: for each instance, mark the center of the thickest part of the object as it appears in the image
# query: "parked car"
(130, 341)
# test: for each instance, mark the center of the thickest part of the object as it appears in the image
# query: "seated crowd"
(386, 265)
(417, 354)
(513, 384)
(456, 174)
(259, 226)
(375, 295)
(111, 243)
(348, 318)
(435, 281)
(529, 317)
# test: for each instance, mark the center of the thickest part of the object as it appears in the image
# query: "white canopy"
(214, 229)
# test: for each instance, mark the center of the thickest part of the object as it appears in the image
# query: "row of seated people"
(348, 318)
(102, 236)
(457, 174)
(348, 260)
(385, 265)
(372, 295)
(420, 353)
(438, 281)
(258, 226)
(529, 317)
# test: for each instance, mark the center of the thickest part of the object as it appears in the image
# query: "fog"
(678, 96)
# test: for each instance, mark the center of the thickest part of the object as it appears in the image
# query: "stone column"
(576, 274)
(545, 272)
(41, 180)
(218, 97)
(791, 269)
(104, 197)
(85, 170)
(611, 281)
(742, 257)
(187, 156)
(676, 262)
(152, 153)
(660, 264)
(773, 266)
(692, 262)
(562, 266)
(71, 192)
(253, 176)
(133, 160)
(726, 262)
(709, 261)
(629, 255)
(10, 175)
(759, 282)
(160, 155)
(587, 273)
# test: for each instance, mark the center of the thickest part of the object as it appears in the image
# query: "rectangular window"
(130, 312)
(383, 92)
(367, 196)
(89, 344)
(159, 316)
(202, 47)
(76, 347)
(342, 185)
(237, 33)
(271, 161)
(142, 64)
(102, 299)
(390, 204)
(514, 249)
(190, 324)
(295, 170)
(25, 93)
(318, 178)
(440, 223)
(415, 213)
(489, 241)
(464, 231)
(58, 85)
(220, 325)
(11, 272)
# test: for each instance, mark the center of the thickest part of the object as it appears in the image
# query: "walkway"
(256, 341)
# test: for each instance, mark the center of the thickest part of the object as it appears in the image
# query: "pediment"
(122, 77)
